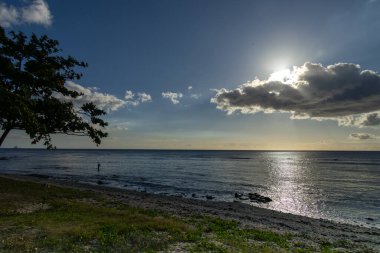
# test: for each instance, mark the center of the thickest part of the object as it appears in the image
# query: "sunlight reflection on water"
(289, 189)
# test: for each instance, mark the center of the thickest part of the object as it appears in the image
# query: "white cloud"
(37, 12)
(172, 96)
(195, 96)
(121, 126)
(9, 15)
(129, 95)
(135, 99)
(144, 97)
(362, 136)
(341, 92)
(104, 101)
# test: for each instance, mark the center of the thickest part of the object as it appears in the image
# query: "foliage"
(32, 78)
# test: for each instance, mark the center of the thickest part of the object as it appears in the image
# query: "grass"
(37, 218)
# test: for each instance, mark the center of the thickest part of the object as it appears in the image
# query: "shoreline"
(248, 216)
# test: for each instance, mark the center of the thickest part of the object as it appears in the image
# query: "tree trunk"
(4, 135)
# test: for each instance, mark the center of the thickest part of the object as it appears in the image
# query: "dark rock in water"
(370, 219)
(255, 197)
(209, 197)
(193, 195)
(238, 195)
(100, 182)
(267, 199)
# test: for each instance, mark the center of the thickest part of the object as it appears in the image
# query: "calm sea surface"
(340, 186)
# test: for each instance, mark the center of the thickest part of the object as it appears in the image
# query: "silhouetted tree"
(32, 78)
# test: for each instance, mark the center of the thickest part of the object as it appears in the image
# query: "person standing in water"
(98, 167)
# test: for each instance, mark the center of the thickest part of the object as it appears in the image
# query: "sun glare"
(283, 75)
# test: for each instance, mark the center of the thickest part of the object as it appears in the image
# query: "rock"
(267, 199)
(209, 197)
(100, 182)
(193, 195)
(370, 219)
(255, 197)
(238, 195)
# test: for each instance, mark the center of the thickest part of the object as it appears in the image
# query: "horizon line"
(168, 149)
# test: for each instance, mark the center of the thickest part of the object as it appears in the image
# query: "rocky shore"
(307, 229)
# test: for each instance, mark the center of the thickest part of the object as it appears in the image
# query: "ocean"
(339, 186)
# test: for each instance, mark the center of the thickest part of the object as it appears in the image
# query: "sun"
(283, 75)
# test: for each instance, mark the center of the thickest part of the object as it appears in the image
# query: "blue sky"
(153, 47)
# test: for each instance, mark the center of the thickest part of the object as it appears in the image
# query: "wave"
(221, 157)
(349, 163)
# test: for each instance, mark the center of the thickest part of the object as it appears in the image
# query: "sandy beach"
(308, 230)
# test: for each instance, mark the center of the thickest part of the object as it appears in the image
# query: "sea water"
(339, 186)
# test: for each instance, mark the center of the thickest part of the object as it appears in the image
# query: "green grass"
(36, 218)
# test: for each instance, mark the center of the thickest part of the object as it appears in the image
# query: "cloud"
(135, 99)
(8, 15)
(362, 120)
(120, 126)
(370, 119)
(172, 96)
(341, 92)
(144, 97)
(362, 136)
(37, 12)
(129, 95)
(104, 101)
(195, 96)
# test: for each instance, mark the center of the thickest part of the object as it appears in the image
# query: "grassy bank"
(41, 218)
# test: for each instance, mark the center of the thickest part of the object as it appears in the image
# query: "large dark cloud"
(341, 91)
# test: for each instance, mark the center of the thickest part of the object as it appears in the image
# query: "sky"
(214, 74)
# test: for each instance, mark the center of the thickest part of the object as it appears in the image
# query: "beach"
(339, 186)
(308, 231)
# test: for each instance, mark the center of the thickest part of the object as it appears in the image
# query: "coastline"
(309, 229)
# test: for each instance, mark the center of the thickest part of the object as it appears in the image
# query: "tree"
(32, 84)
